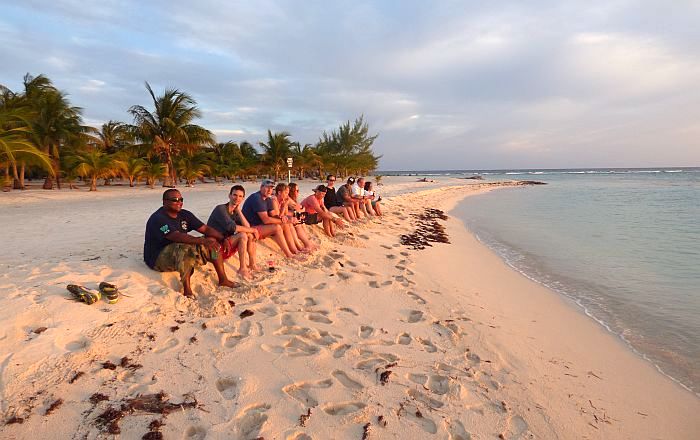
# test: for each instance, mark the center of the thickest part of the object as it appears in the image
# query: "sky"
(445, 84)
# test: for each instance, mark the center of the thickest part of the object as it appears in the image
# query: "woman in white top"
(375, 198)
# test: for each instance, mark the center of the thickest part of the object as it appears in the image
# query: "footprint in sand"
(515, 427)
(348, 310)
(341, 409)
(318, 317)
(366, 331)
(343, 275)
(416, 297)
(275, 349)
(387, 283)
(363, 236)
(299, 391)
(336, 255)
(339, 351)
(310, 302)
(420, 379)
(228, 387)
(320, 286)
(456, 430)
(270, 310)
(423, 398)
(82, 344)
(351, 263)
(297, 347)
(386, 247)
(328, 261)
(195, 433)
(251, 420)
(413, 414)
(287, 320)
(231, 341)
(438, 384)
(428, 345)
(298, 436)
(403, 339)
(391, 256)
(414, 316)
(404, 253)
(168, 345)
(346, 381)
(374, 284)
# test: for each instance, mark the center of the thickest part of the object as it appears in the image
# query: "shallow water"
(623, 244)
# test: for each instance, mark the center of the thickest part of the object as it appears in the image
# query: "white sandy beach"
(366, 337)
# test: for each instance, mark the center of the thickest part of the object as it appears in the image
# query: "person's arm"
(268, 219)
(181, 237)
(222, 217)
(245, 226)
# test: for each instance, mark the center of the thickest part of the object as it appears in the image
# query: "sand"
(365, 338)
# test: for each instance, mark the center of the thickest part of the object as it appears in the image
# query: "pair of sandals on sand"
(88, 296)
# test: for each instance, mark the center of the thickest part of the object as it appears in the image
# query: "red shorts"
(226, 255)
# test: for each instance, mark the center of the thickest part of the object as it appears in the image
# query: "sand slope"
(367, 337)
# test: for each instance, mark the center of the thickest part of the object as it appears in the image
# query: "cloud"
(477, 86)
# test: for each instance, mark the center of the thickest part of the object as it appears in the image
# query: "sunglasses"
(331, 180)
(176, 199)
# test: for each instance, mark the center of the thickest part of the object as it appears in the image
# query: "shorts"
(312, 219)
(182, 258)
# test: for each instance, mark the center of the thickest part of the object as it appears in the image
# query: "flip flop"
(81, 293)
(110, 292)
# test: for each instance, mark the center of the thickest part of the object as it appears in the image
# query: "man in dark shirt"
(330, 200)
(256, 210)
(168, 247)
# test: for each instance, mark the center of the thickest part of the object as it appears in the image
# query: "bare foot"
(245, 274)
(254, 268)
(228, 283)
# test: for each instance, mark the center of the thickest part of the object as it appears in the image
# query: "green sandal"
(84, 294)
(110, 292)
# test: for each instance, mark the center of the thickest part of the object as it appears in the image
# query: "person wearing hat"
(317, 211)
(256, 209)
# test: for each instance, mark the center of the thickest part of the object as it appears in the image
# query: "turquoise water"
(623, 244)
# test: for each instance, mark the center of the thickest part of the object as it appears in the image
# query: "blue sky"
(447, 85)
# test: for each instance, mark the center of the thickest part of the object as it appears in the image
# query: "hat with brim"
(321, 188)
(268, 182)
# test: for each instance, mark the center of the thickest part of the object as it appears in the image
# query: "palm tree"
(250, 158)
(169, 129)
(276, 151)
(132, 168)
(112, 136)
(94, 164)
(55, 123)
(154, 171)
(15, 141)
(194, 166)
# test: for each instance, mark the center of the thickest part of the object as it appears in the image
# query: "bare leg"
(252, 249)
(340, 210)
(289, 238)
(186, 287)
(275, 231)
(304, 237)
(221, 272)
(378, 209)
(241, 240)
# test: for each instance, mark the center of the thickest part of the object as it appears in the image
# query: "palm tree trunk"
(15, 177)
(131, 181)
(93, 183)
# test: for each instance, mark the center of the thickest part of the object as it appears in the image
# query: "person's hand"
(211, 243)
(283, 219)
(256, 234)
(226, 246)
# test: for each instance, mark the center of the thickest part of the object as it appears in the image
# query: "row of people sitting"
(236, 226)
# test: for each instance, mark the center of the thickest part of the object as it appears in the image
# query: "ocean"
(623, 244)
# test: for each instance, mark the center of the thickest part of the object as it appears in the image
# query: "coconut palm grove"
(43, 136)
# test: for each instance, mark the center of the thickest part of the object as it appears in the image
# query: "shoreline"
(451, 328)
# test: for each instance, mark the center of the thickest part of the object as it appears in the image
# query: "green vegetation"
(43, 136)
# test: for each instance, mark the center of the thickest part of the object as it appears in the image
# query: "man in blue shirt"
(168, 247)
(256, 210)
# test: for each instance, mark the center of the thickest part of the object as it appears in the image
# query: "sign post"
(290, 161)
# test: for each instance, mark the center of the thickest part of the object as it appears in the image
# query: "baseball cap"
(351, 180)
(268, 182)
(321, 188)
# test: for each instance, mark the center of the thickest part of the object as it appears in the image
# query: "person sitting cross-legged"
(169, 248)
